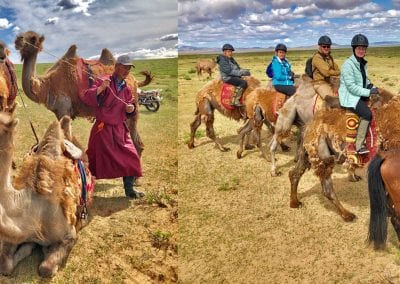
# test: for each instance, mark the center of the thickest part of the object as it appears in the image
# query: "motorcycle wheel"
(153, 106)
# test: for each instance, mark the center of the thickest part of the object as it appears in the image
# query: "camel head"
(7, 127)
(28, 43)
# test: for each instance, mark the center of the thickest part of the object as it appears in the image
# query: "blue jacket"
(351, 83)
(282, 72)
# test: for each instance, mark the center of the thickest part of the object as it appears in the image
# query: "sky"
(141, 29)
(296, 23)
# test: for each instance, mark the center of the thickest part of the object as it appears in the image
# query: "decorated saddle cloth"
(227, 93)
(87, 71)
(371, 141)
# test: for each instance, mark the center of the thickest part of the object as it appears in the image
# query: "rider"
(323, 67)
(355, 88)
(282, 79)
(231, 73)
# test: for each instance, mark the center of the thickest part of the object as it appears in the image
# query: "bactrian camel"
(41, 207)
(58, 88)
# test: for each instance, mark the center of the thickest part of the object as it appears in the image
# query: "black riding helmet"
(359, 40)
(227, 46)
(324, 40)
(281, 46)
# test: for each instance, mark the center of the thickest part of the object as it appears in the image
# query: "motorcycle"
(150, 99)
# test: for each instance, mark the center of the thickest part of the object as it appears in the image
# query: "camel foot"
(239, 154)
(354, 178)
(249, 147)
(46, 270)
(276, 173)
(295, 204)
(348, 216)
(285, 148)
(224, 149)
(190, 145)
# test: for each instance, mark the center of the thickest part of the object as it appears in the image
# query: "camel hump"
(106, 57)
(71, 52)
(52, 141)
(65, 123)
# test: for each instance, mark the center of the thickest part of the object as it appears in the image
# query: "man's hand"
(129, 108)
(103, 86)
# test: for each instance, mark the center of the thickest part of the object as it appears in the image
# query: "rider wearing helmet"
(323, 67)
(231, 73)
(355, 88)
(282, 78)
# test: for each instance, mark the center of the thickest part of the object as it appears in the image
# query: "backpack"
(309, 69)
(269, 71)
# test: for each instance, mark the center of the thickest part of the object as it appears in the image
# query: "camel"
(41, 205)
(59, 88)
(8, 79)
(208, 99)
(205, 65)
(325, 139)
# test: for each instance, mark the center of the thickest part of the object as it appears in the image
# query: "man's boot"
(130, 191)
(236, 97)
(361, 134)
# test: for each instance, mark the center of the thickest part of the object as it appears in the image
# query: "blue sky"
(142, 29)
(256, 23)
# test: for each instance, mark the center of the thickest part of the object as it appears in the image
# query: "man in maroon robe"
(110, 150)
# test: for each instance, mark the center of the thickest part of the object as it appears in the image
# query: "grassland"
(235, 224)
(125, 241)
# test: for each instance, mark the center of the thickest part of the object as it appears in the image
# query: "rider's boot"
(236, 97)
(361, 134)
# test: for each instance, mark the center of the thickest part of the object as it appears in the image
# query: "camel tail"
(378, 204)
(147, 80)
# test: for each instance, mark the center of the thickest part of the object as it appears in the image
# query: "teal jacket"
(351, 83)
(282, 72)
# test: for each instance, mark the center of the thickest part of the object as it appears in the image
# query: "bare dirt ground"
(235, 224)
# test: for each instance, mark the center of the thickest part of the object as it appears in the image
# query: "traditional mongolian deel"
(353, 158)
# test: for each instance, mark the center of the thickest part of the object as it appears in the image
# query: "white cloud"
(320, 23)
(77, 6)
(169, 37)
(4, 24)
(51, 21)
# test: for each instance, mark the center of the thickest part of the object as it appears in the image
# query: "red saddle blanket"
(87, 71)
(227, 95)
(371, 140)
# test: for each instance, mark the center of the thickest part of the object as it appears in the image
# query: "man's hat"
(125, 60)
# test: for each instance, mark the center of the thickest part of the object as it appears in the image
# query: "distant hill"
(190, 49)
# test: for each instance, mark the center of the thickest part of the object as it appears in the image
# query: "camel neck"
(5, 168)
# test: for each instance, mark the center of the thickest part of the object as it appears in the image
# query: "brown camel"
(205, 65)
(58, 89)
(325, 139)
(41, 207)
(8, 79)
(208, 99)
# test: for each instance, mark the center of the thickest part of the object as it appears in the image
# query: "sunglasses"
(325, 46)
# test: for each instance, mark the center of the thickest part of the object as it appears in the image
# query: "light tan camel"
(205, 65)
(325, 139)
(41, 207)
(58, 88)
(8, 79)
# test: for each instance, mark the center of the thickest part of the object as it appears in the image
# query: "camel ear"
(41, 39)
(7, 52)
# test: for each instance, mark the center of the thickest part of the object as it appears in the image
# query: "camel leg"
(272, 150)
(55, 255)
(193, 127)
(211, 133)
(295, 175)
(136, 139)
(243, 133)
(12, 254)
(324, 172)
(329, 192)
(352, 177)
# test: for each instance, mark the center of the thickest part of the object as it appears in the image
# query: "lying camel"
(43, 206)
